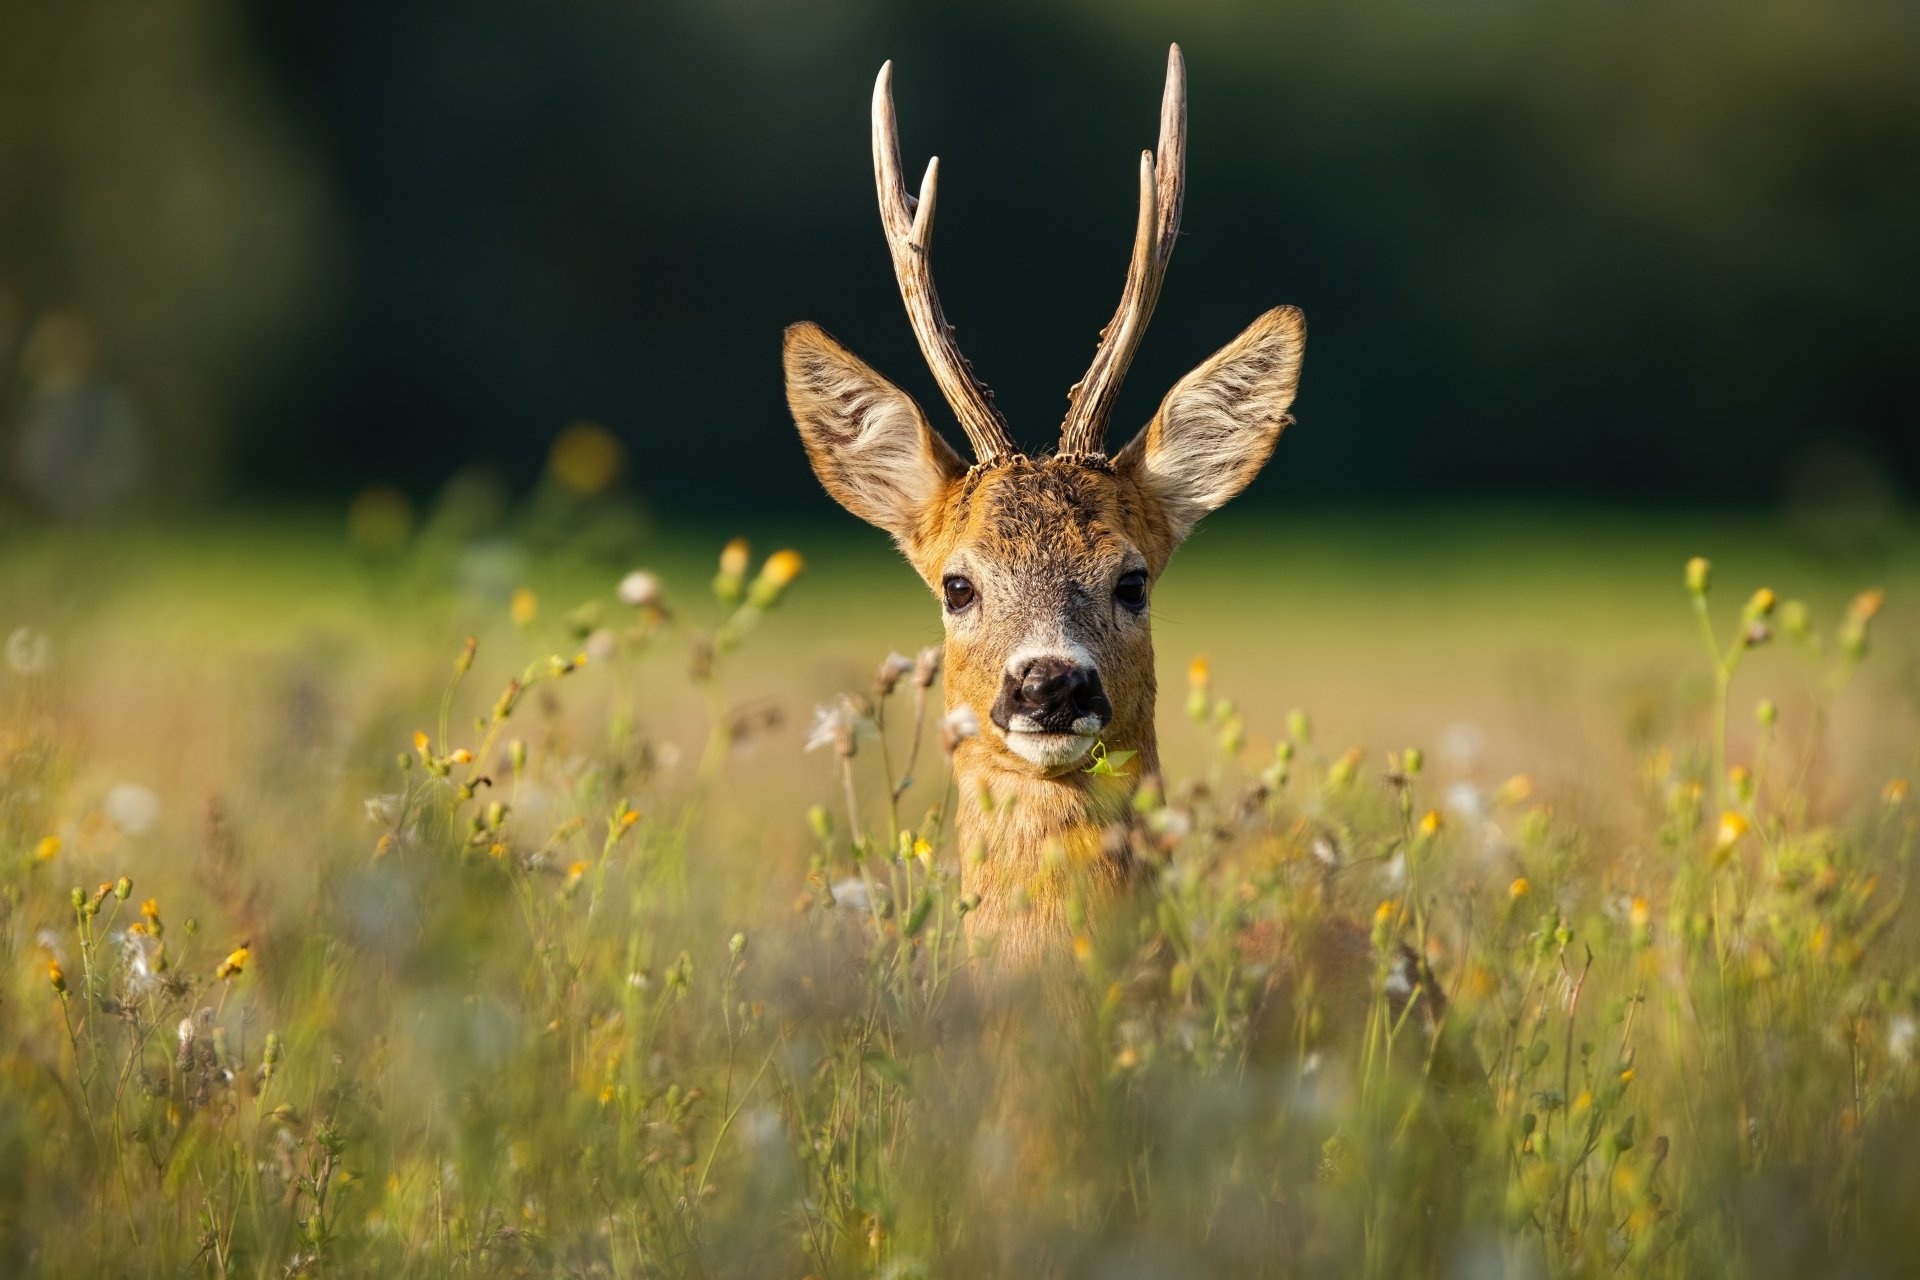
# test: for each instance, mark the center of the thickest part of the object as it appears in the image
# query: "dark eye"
(958, 590)
(1131, 590)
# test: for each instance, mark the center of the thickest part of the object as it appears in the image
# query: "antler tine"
(909, 227)
(1162, 189)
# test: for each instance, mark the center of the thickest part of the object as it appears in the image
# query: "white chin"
(1052, 751)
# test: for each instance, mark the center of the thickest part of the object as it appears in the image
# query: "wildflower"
(47, 850)
(464, 663)
(57, 976)
(460, 755)
(1639, 913)
(421, 744)
(737, 945)
(1519, 889)
(1514, 790)
(1894, 793)
(957, 726)
(1760, 604)
(1299, 727)
(1430, 823)
(123, 888)
(1733, 825)
(29, 652)
(525, 606)
(639, 589)
(1341, 772)
(926, 666)
(586, 459)
(1765, 713)
(575, 874)
(834, 726)
(923, 851)
(733, 571)
(235, 963)
(1740, 782)
(1199, 683)
(1699, 575)
(893, 668)
(1860, 611)
(776, 575)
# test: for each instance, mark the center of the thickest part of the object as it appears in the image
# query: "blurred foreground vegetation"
(335, 946)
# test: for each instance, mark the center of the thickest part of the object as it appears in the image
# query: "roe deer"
(1045, 566)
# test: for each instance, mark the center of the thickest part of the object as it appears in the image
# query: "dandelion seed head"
(639, 589)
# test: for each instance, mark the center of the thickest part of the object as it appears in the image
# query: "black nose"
(1051, 695)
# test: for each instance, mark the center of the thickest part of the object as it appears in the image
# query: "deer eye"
(958, 590)
(1131, 590)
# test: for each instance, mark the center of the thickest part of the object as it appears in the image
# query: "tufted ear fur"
(868, 441)
(1218, 425)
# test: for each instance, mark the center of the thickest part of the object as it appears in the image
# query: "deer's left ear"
(1218, 425)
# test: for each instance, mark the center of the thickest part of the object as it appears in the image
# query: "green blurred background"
(272, 253)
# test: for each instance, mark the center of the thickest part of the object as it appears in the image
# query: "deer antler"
(1162, 187)
(909, 226)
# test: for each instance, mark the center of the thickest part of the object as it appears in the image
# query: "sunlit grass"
(336, 943)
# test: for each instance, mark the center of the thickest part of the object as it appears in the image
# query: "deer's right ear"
(868, 441)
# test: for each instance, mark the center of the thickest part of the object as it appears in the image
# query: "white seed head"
(639, 589)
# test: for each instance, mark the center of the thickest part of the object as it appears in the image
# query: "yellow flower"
(1894, 793)
(47, 849)
(586, 459)
(421, 743)
(1430, 823)
(1762, 603)
(1199, 671)
(1639, 913)
(782, 567)
(1733, 825)
(525, 606)
(1082, 946)
(1699, 575)
(1518, 889)
(461, 756)
(57, 976)
(1385, 911)
(150, 908)
(734, 557)
(235, 963)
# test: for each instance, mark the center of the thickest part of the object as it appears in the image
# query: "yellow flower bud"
(1699, 575)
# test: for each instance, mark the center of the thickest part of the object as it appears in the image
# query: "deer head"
(1044, 567)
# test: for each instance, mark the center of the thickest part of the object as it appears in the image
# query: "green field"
(358, 1034)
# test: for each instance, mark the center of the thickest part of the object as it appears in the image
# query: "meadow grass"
(336, 943)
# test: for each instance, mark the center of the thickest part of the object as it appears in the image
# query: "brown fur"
(1043, 541)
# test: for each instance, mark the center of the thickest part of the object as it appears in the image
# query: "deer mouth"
(1051, 748)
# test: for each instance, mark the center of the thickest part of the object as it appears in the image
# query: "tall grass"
(460, 988)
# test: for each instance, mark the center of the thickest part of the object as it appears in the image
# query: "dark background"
(1620, 252)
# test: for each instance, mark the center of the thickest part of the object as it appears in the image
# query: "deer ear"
(868, 441)
(1218, 425)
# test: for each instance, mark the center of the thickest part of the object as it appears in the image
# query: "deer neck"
(1039, 850)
